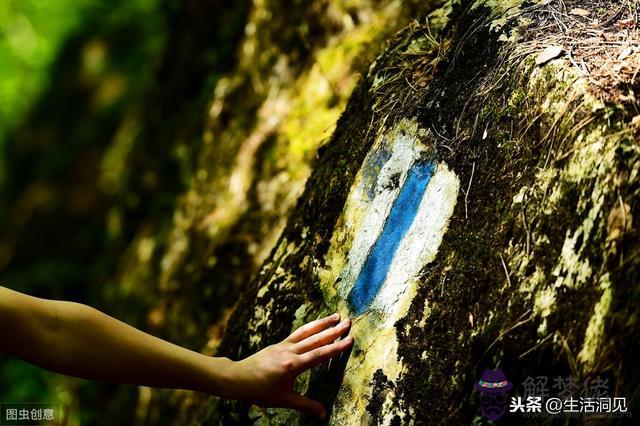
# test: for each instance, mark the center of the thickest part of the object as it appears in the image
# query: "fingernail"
(345, 322)
(335, 316)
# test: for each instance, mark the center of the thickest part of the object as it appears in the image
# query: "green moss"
(520, 276)
(591, 351)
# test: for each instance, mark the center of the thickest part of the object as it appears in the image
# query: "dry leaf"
(626, 23)
(625, 53)
(619, 221)
(635, 121)
(579, 12)
(625, 98)
(548, 54)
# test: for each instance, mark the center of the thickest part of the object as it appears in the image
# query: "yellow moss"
(114, 161)
(533, 281)
(587, 158)
(587, 169)
(319, 97)
(426, 313)
(572, 270)
(178, 243)
(503, 11)
(594, 336)
(545, 299)
(441, 16)
(146, 246)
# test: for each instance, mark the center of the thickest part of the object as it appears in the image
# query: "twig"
(624, 213)
(447, 146)
(575, 64)
(441, 136)
(513, 327)
(526, 228)
(542, 342)
(572, 360)
(410, 85)
(506, 271)
(466, 193)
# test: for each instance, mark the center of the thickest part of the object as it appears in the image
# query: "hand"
(267, 377)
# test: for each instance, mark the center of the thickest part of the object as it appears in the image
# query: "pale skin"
(77, 340)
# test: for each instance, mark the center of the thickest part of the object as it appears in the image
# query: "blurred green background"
(33, 33)
(56, 59)
(100, 116)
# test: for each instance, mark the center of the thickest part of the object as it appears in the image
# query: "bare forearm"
(78, 340)
(83, 342)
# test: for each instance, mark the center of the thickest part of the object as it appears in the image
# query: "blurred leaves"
(32, 33)
(69, 71)
(101, 107)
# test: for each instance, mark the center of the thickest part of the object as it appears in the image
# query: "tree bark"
(458, 177)
(530, 264)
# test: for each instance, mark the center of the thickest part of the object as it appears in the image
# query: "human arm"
(77, 340)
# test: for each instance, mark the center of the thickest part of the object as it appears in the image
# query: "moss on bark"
(537, 272)
(538, 257)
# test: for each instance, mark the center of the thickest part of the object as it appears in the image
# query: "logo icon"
(493, 387)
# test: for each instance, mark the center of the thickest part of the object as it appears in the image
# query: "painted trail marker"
(392, 225)
(402, 214)
(397, 213)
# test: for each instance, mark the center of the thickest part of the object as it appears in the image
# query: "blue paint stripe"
(401, 216)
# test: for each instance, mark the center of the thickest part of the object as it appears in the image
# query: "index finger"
(312, 328)
(319, 355)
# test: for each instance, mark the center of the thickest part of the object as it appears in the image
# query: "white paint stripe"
(405, 150)
(421, 242)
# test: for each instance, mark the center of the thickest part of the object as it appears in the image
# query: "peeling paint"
(385, 178)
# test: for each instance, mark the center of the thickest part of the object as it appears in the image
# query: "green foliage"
(16, 389)
(32, 34)
(87, 59)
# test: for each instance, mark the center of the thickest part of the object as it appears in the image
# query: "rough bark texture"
(538, 270)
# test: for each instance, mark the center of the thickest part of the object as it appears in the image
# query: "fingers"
(312, 328)
(306, 405)
(319, 355)
(323, 338)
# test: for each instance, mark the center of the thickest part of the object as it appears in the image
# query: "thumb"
(306, 405)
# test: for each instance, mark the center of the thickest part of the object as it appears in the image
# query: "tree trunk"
(458, 177)
(474, 207)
